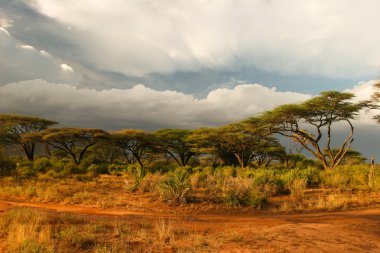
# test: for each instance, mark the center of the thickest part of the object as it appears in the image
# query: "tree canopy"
(244, 141)
(135, 144)
(174, 142)
(13, 127)
(73, 141)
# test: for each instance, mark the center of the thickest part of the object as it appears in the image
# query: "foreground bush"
(176, 187)
(346, 177)
(241, 192)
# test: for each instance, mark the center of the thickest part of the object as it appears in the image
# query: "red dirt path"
(348, 231)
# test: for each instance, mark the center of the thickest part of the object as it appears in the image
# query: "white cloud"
(6, 23)
(20, 61)
(364, 91)
(335, 38)
(66, 68)
(140, 106)
(27, 47)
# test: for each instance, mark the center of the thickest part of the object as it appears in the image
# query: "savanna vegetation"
(241, 167)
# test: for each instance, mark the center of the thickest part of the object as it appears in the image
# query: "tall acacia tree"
(310, 124)
(174, 142)
(74, 142)
(14, 127)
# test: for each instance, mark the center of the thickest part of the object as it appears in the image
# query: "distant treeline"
(252, 141)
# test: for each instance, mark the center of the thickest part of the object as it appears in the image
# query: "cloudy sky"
(178, 63)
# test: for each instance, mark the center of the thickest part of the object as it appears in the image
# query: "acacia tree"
(244, 142)
(74, 142)
(267, 150)
(310, 124)
(14, 127)
(174, 142)
(106, 151)
(135, 144)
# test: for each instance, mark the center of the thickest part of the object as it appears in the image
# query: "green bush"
(267, 180)
(311, 176)
(25, 169)
(42, 164)
(59, 164)
(346, 177)
(241, 192)
(7, 166)
(176, 187)
(161, 166)
(151, 183)
(96, 169)
(117, 168)
(137, 174)
(297, 187)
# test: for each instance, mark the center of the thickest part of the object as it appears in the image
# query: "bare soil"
(343, 231)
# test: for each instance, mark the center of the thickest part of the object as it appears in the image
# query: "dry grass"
(329, 201)
(208, 192)
(33, 231)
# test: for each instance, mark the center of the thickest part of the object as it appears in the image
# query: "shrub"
(7, 166)
(42, 164)
(241, 192)
(311, 175)
(72, 237)
(229, 171)
(297, 187)
(269, 181)
(137, 173)
(161, 166)
(346, 177)
(96, 169)
(25, 169)
(176, 187)
(116, 168)
(150, 183)
(198, 179)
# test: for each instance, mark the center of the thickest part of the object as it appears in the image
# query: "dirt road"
(348, 231)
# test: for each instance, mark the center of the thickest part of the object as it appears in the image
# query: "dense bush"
(42, 164)
(176, 187)
(7, 166)
(96, 169)
(137, 174)
(25, 169)
(346, 177)
(267, 180)
(242, 192)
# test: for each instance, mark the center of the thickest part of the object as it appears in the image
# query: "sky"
(150, 64)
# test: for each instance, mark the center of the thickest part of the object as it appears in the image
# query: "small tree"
(174, 142)
(311, 122)
(245, 142)
(13, 127)
(135, 144)
(73, 141)
(106, 152)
